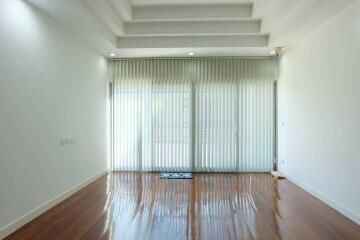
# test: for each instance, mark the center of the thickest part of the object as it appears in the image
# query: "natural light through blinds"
(193, 114)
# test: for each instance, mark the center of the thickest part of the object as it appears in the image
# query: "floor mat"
(178, 175)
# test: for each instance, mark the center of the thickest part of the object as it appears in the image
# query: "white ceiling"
(172, 28)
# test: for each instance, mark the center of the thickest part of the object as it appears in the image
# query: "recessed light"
(191, 53)
(112, 55)
(273, 52)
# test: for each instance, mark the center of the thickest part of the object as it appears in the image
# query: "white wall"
(51, 87)
(319, 112)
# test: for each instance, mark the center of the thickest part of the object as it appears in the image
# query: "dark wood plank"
(211, 206)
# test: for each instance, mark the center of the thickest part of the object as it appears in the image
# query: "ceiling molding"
(123, 8)
(107, 15)
(169, 28)
(193, 27)
(184, 41)
(192, 11)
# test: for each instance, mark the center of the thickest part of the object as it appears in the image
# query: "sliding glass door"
(216, 127)
(171, 127)
(128, 103)
(256, 125)
(206, 115)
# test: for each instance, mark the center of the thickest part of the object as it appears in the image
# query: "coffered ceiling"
(172, 28)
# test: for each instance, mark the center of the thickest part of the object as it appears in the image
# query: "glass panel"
(216, 127)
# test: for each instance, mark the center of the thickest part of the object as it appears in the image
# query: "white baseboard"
(21, 221)
(326, 199)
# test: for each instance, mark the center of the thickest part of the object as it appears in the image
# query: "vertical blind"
(208, 115)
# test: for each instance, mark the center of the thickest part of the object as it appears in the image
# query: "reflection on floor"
(211, 206)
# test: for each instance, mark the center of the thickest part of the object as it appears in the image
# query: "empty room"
(179, 119)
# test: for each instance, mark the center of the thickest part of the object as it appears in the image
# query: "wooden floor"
(211, 206)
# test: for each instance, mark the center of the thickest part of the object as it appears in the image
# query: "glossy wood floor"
(211, 206)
